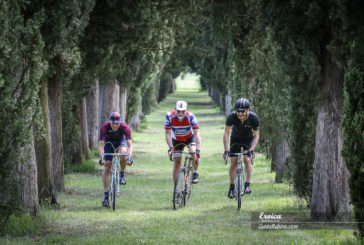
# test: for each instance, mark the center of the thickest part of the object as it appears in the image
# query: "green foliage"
(21, 224)
(21, 67)
(353, 124)
(87, 166)
(134, 98)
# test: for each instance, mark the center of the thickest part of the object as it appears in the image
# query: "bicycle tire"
(113, 194)
(239, 188)
(178, 190)
(188, 188)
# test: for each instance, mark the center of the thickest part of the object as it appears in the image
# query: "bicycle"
(239, 190)
(183, 183)
(114, 187)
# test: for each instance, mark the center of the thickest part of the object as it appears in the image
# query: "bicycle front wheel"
(113, 193)
(178, 198)
(188, 186)
(239, 188)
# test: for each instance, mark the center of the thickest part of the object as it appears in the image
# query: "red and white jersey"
(181, 130)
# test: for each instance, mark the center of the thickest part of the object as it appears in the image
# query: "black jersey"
(242, 130)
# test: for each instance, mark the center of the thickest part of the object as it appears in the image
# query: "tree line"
(65, 65)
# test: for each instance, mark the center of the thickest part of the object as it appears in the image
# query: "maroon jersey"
(107, 134)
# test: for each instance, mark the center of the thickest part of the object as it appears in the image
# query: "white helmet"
(181, 105)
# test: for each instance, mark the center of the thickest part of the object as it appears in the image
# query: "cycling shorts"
(109, 148)
(236, 144)
(179, 145)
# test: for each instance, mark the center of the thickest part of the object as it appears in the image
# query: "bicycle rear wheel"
(239, 188)
(178, 198)
(113, 193)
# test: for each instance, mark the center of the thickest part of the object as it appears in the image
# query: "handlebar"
(249, 154)
(129, 160)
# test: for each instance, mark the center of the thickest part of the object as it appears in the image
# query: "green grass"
(145, 214)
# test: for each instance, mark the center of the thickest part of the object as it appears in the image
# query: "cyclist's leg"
(232, 169)
(108, 148)
(178, 147)
(123, 161)
(106, 174)
(248, 168)
(234, 148)
(123, 150)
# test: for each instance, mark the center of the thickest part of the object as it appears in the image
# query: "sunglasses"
(242, 111)
(180, 111)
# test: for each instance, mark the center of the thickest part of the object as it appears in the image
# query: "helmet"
(115, 117)
(242, 104)
(181, 105)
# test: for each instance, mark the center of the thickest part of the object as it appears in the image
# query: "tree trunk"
(228, 105)
(92, 106)
(84, 134)
(214, 94)
(42, 145)
(55, 117)
(273, 163)
(282, 151)
(27, 178)
(135, 120)
(123, 102)
(110, 101)
(330, 192)
(77, 150)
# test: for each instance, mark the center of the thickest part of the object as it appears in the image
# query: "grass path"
(144, 212)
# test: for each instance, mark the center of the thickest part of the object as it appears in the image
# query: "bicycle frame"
(114, 187)
(239, 190)
(186, 170)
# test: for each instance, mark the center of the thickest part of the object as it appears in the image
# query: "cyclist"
(118, 134)
(245, 132)
(182, 128)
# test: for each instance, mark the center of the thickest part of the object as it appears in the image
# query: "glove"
(129, 161)
(226, 154)
(170, 151)
(101, 161)
(251, 154)
(198, 153)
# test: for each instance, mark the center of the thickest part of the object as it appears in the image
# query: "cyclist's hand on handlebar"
(226, 154)
(251, 154)
(197, 154)
(101, 161)
(170, 151)
(129, 161)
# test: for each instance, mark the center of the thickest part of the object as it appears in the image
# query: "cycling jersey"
(107, 134)
(242, 130)
(181, 131)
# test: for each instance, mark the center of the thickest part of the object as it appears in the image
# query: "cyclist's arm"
(255, 140)
(101, 148)
(197, 137)
(130, 148)
(226, 137)
(169, 138)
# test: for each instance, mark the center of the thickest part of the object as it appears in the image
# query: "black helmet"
(242, 103)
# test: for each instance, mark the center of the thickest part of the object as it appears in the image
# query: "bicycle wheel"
(239, 188)
(113, 193)
(188, 187)
(178, 190)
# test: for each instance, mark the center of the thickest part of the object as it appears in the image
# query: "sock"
(247, 184)
(232, 186)
(106, 194)
(122, 174)
(195, 171)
